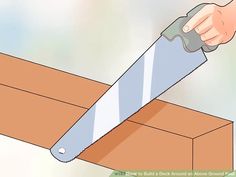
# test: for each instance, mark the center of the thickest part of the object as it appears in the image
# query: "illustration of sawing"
(165, 63)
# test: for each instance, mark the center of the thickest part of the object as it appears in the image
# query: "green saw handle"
(191, 40)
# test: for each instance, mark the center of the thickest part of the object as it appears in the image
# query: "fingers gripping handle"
(191, 40)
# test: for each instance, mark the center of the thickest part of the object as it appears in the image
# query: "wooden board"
(38, 104)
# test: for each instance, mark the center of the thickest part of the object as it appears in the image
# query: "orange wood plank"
(178, 120)
(208, 150)
(38, 104)
(49, 82)
(33, 118)
(135, 147)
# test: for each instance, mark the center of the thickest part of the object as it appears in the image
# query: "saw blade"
(163, 65)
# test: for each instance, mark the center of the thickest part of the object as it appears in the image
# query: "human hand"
(215, 24)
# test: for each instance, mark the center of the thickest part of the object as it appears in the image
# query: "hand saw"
(168, 60)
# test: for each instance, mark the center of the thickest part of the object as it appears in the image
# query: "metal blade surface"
(163, 65)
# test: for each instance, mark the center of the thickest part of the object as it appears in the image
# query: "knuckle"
(197, 29)
(222, 22)
(212, 8)
(221, 40)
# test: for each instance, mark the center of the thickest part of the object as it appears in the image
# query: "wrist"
(230, 11)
